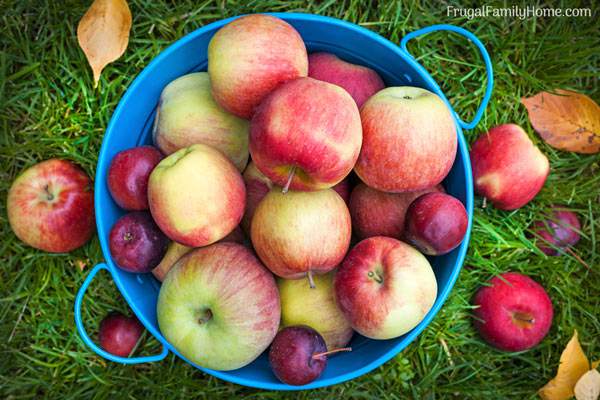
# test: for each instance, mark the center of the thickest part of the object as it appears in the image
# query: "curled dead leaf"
(566, 120)
(588, 386)
(103, 33)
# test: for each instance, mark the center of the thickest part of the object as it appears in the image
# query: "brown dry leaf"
(588, 386)
(573, 364)
(567, 120)
(103, 33)
(81, 264)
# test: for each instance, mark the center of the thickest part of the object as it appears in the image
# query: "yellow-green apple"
(361, 82)
(377, 213)
(196, 195)
(508, 169)
(315, 307)
(251, 56)
(187, 114)
(384, 287)
(409, 140)
(51, 206)
(296, 234)
(219, 307)
(514, 312)
(306, 135)
(257, 187)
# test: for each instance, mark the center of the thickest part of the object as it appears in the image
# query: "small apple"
(187, 114)
(361, 82)
(409, 140)
(376, 213)
(297, 234)
(514, 312)
(560, 230)
(51, 206)
(251, 56)
(119, 334)
(306, 135)
(196, 196)
(128, 176)
(508, 169)
(219, 307)
(436, 223)
(384, 287)
(257, 187)
(315, 307)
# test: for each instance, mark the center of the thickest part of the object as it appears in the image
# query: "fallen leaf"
(573, 364)
(595, 364)
(566, 120)
(80, 264)
(588, 386)
(103, 33)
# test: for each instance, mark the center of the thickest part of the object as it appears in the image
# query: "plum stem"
(289, 180)
(575, 256)
(311, 281)
(326, 353)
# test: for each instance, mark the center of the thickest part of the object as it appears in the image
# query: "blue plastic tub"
(131, 124)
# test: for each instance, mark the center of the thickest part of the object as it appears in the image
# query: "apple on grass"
(306, 135)
(196, 196)
(298, 234)
(119, 334)
(514, 313)
(51, 206)
(219, 307)
(508, 169)
(384, 287)
(409, 140)
(187, 114)
(249, 57)
(558, 232)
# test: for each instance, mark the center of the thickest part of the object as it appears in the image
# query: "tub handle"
(89, 342)
(484, 54)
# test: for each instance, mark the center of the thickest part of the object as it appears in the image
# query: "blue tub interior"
(131, 125)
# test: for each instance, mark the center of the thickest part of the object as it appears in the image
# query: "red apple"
(376, 213)
(409, 140)
(560, 230)
(384, 287)
(436, 223)
(343, 189)
(128, 176)
(299, 233)
(361, 82)
(119, 334)
(257, 187)
(508, 169)
(306, 135)
(51, 206)
(514, 313)
(251, 56)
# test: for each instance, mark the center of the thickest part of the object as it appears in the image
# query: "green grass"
(49, 108)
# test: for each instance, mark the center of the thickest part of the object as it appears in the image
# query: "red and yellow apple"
(306, 135)
(257, 187)
(409, 140)
(251, 56)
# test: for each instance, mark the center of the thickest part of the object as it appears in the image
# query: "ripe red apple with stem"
(119, 334)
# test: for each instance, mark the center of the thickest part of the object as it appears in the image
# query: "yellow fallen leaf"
(103, 33)
(573, 364)
(595, 364)
(566, 120)
(588, 386)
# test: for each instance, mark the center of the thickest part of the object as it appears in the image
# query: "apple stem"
(289, 180)
(326, 353)
(575, 256)
(311, 281)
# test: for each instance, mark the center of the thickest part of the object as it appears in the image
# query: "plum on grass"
(119, 334)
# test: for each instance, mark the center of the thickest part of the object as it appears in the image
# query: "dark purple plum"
(119, 334)
(436, 223)
(298, 355)
(561, 229)
(136, 243)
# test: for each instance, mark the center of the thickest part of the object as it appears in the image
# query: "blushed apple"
(384, 287)
(508, 169)
(249, 57)
(409, 140)
(196, 196)
(219, 307)
(50, 206)
(360, 81)
(306, 135)
(257, 187)
(187, 114)
(560, 230)
(514, 312)
(297, 234)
